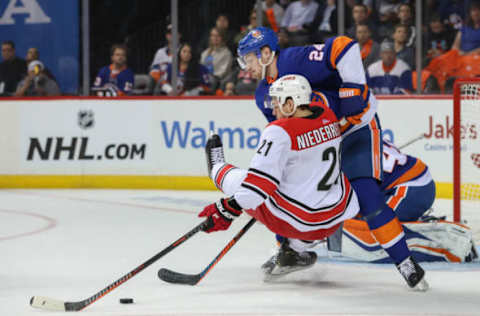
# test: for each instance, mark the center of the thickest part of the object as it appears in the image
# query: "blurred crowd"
(384, 29)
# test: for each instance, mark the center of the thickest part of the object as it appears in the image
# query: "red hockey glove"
(221, 214)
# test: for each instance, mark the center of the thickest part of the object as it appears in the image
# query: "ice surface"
(69, 244)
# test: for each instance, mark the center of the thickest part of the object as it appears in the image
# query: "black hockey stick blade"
(193, 279)
(51, 304)
(178, 278)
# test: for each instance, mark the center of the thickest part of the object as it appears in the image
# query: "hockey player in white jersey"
(294, 184)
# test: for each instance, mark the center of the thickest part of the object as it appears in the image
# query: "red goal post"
(466, 145)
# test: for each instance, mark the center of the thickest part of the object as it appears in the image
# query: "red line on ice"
(51, 223)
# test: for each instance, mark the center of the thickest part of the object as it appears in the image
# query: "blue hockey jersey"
(397, 80)
(334, 67)
(399, 168)
(122, 80)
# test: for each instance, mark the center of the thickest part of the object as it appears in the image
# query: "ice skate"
(413, 274)
(286, 261)
(214, 152)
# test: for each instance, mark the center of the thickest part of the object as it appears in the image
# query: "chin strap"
(288, 114)
(264, 66)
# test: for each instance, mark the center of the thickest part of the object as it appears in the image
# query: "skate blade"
(279, 272)
(421, 286)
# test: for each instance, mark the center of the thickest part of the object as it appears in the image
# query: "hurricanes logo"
(86, 119)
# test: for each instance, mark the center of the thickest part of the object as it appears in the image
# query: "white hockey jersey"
(296, 173)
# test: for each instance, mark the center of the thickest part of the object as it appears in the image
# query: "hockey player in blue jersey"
(336, 67)
(410, 192)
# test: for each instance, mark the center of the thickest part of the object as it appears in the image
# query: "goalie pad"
(428, 241)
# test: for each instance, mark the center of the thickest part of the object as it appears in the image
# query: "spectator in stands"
(163, 56)
(229, 89)
(467, 41)
(387, 10)
(12, 69)
(242, 82)
(462, 59)
(274, 13)
(117, 78)
(217, 58)
(297, 15)
(400, 37)
(389, 75)
(387, 16)
(222, 24)
(360, 16)
(439, 38)
(324, 24)
(369, 49)
(428, 81)
(452, 12)
(34, 54)
(192, 80)
(405, 17)
(283, 41)
(37, 83)
(253, 24)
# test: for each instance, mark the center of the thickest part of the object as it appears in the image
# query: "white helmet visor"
(271, 102)
(248, 59)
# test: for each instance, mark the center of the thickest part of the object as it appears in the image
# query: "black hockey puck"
(126, 300)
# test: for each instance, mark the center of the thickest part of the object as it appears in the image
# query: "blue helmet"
(256, 39)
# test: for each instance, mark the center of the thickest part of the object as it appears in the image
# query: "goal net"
(466, 149)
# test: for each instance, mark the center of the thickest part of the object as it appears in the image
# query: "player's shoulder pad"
(277, 130)
(293, 57)
(336, 47)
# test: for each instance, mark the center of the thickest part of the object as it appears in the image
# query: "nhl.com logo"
(86, 119)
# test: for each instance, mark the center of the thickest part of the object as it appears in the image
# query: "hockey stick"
(46, 303)
(421, 136)
(193, 279)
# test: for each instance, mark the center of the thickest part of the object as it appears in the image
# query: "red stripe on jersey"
(221, 175)
(313, 217)
(283, 228)
(306, 133)
(263, 183)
